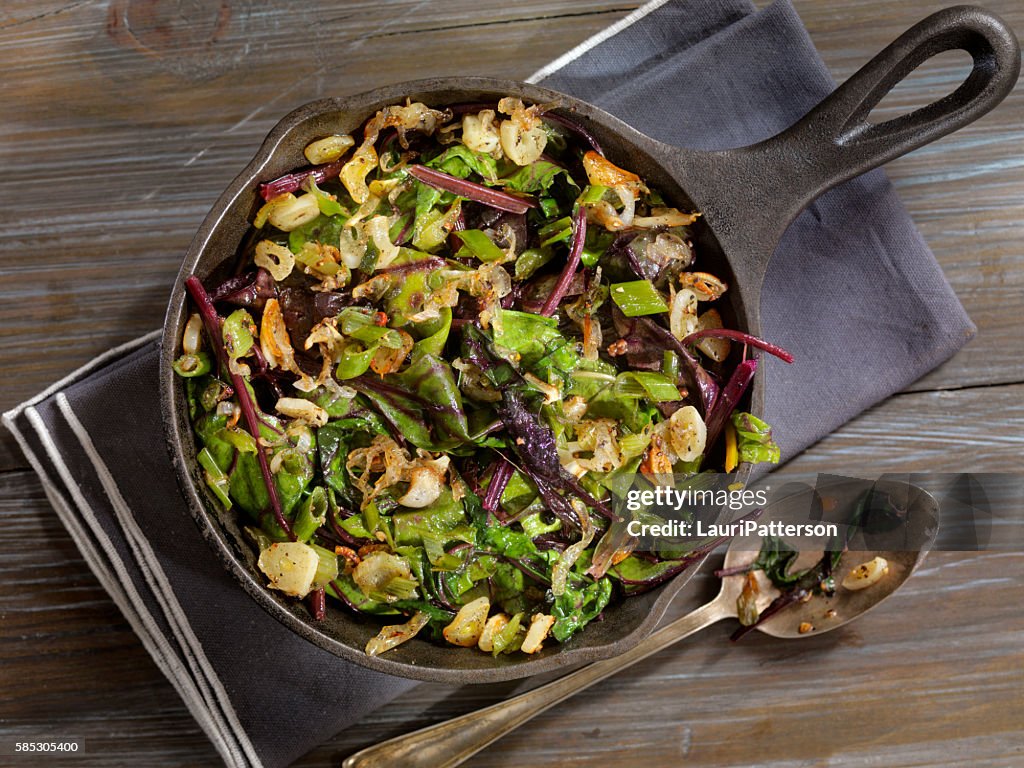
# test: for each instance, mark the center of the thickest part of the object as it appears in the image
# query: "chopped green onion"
(238, 330)
(531, 260)
(632, 446)
(353, 318)
(311, 515)
(311, 257)
(326, 569)
(480, 245)
(378, 335)
(508, 638)
(592, 193)
(398, 588)
(215, 477)
(595, 245)
(188, 366)
(239, 438)
(670, 365)
(656, 387)
(559, 237)
(355, 360)
(555, 226)
(555, 231)
(548, 206)
(327, 204)
(637, 298)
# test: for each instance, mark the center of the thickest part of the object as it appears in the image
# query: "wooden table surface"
(124, 120)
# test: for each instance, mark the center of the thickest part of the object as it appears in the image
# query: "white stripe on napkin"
(117, 582)
(595, 40)
(157, 580)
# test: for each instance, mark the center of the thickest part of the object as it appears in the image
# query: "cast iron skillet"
(748, 196)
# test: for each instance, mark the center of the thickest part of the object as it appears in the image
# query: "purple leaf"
(576, 128)
(251, 289)
(502, 474)
(728, 398)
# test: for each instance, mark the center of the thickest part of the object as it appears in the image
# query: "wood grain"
(125, 120)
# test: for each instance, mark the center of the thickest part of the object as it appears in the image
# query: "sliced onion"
(468, 625)
(540, 625)
(569, 556)
(376, 230)
(376, 570)
(394, 635)
(520, 144)
(275, 258)
(687, 433)
(292, 212)
(192, 338)
(303, 410)
(665, 217)
(715, 348)
(328, 149)
(480, 132)
(353, 173)
(628, 198)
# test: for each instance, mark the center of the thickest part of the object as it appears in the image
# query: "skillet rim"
(178, 432)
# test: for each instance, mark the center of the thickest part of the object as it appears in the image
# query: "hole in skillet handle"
(835, 141)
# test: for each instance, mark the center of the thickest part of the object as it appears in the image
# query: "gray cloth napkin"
(699, 74)
(852, 290)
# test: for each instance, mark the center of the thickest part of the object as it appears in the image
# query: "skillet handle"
(771, 182)
(836, 137)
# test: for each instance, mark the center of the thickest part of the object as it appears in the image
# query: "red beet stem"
(579, 234)
(471, 190)
(212, 322)
(746, 338)
(292, 181)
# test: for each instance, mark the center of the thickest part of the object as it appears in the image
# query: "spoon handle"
(450, 743)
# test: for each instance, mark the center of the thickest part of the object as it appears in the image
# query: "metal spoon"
(454, 741)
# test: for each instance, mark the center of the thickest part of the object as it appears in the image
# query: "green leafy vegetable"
(536, 177)
(480, 245)
(461, 161)
(638, 298)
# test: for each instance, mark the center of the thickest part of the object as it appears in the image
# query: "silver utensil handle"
(450, 743)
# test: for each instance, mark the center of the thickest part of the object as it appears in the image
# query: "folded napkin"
(699, 74)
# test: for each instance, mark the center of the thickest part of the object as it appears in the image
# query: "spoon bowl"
(917, 534)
